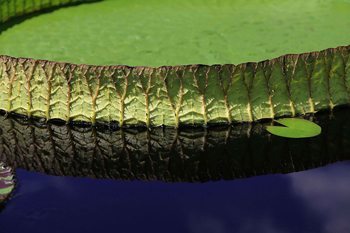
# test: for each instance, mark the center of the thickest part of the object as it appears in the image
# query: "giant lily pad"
(295, 128)
(7, 183)
(167, 32)
(155, 60)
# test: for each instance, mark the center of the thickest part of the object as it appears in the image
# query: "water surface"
(73, 179)
(310, 201)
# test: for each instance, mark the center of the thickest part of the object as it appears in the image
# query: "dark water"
(73, 179)
(310, 201)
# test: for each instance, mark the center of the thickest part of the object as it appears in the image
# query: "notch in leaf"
(295, 128)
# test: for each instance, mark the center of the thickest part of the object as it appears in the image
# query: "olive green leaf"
(295, 128)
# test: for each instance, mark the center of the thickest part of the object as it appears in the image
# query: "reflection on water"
(169, 154)
(313, 200)
(327, 192)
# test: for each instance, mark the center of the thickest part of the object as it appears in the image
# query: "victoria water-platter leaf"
(295, 128)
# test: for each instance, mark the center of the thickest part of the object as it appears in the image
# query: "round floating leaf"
(295, 128)
(7, 183)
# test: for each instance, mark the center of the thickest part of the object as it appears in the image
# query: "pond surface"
(82, 179)
(310, 201)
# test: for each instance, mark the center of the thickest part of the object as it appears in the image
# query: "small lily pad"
(295, 128)
(7, 183)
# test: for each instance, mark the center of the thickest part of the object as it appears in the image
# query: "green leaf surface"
(295, 128)
(167, 32)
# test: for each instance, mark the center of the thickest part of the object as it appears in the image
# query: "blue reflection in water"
(310, 201)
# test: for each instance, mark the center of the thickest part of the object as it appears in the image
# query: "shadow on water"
(192, 155)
